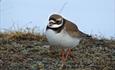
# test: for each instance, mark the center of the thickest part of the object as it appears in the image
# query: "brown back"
(73, 30)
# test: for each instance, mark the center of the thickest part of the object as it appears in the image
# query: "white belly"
(61, 39)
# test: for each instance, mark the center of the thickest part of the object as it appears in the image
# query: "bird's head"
(55, 21)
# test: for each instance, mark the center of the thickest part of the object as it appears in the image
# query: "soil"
(35, 55)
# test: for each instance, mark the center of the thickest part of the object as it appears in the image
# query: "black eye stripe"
(59, 22)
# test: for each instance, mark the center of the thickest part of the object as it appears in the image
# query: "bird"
(63, 34)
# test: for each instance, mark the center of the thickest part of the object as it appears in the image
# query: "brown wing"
(73, 30)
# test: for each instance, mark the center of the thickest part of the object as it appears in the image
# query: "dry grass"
(26, 34)
(28, 50)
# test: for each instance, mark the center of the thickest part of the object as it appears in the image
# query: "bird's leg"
(73, 58)
(63, 56)
(69, 53)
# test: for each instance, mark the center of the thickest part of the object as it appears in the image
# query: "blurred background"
(95, 17)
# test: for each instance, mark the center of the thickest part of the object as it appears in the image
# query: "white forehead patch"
(52, 21)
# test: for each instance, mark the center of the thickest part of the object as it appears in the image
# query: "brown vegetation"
(30, 51)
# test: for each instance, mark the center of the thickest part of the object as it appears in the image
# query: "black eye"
(59, 22)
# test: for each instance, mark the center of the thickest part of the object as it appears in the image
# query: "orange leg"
(73, 58)
(63, 56)
(70, 54)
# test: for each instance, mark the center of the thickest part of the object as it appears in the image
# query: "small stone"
(41, 66)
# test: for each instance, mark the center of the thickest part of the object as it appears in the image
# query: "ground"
(31, 52)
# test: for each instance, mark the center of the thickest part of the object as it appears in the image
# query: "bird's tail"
(85, 35)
